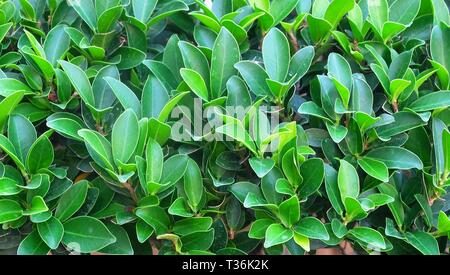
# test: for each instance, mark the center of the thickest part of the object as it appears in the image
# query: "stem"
(395, 106)
(155, 250)
(130, 189)
(293, 41)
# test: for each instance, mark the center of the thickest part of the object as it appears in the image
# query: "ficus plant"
(224, 127)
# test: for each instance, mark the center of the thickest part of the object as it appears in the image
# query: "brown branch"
(127, 185)
(293, 41)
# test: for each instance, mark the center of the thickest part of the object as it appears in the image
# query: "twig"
(130, 189)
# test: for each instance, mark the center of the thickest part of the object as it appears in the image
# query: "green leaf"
(431, 101)
(98, 147)
(319, 28)
(353, 210)
(443, 223)
(180, 208)
(33, 245)
(276, 55)
(236, 130)
(277, 234)
(37, 206)
(369, 236)
(424, 242)
(122, 245)
(300, 63)
(241, 189)
(422, 200)
(290, 211)
(396, 206)
(400, 65)
(404, 11)
(379, 13)
(258, 228)
(192, 225)
(40, 155)
(337, 132)
(86, 234)
(71, 201)
(22, 134)
(125, 95)
(125, 136)
(9, 187)
(225, 54)
(348, 181)
(56, 44)
(374, 168)
(261, 166)
(332, 189)
(238, 94)
(166, 10)
(9, 149)
(7, 105)
(340, 70)
(8, 86)
(198, 241)
(154, 98)
(396, 158)
(338, 228)
(404, 121)
(280, 9)
(255, 77)
(439, 46)
(9, 211)
(66, 124)
(154, 157)
(446, 149)
(156, 217)
(337, 9)
(51, 232)
(108, 18)
(313, 174)
(312, 228)
(143, 9)
(195, 59)
(196, 82)
(193, 184)
(79, 81)
(86, 10)
(174, 169)
(143, 231)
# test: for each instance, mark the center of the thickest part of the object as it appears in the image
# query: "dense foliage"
(237, 127)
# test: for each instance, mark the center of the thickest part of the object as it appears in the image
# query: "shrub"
(177, 127)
